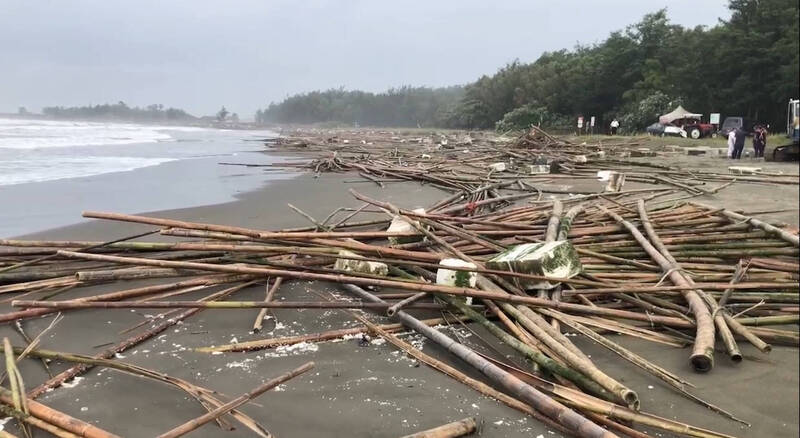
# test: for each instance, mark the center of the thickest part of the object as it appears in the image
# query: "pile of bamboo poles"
(457, 161)
(655, 267)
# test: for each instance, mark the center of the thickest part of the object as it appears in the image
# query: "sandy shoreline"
(356, 391)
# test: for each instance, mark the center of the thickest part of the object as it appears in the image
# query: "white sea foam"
(45, 150)
(48, 169)
(40, 134)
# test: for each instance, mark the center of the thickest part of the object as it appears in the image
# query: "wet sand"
(366, 391)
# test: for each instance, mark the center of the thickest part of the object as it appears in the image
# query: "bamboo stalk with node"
(702, 357)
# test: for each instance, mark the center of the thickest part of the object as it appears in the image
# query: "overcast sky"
(199, 55)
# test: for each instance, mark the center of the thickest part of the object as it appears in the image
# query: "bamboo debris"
(202, 395)
(692, 271)
(56, 418)
(189, 426)
(526, 393)
(449, 430)
(702, 358)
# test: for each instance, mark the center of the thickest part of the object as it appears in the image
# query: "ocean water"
(50, 171)
(42, 150)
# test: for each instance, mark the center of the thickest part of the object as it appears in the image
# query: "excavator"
(790, 151)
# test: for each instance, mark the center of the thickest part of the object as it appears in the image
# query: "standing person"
(614, 126)
(738, 144)
(731, 142)
(759, 141)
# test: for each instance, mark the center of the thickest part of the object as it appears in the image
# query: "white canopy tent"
(678, 113)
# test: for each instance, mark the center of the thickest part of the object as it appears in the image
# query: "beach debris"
(460, 278)
(356, 263)
(497, 167)
(648, 263)
(538, 169)
(400, 225)
(557, 259)
(743, 170)
(449, 430)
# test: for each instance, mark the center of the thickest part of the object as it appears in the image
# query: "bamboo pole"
(9, 411)
(716, 312)
(202, 395)
(460, 376)
(189, 426)
(671, 379)
(449, 430)
(239, 230)
(57, 418)
(312, 337)
(123, 345)
(85, 248)
(702, 358)
(771, 229)
(577, 376)
(61, 305)
(556, 411)
(339, 278)
(391, 310)
(132, 293)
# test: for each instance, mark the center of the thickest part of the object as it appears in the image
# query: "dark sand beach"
(367, 390)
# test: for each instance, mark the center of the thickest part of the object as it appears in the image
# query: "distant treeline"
(405, 106)
(745, 66)
(119, 111)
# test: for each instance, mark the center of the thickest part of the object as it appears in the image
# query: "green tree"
(222, 114)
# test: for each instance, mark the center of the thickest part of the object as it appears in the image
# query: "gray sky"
(199, 55)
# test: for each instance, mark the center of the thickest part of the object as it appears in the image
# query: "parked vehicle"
(732, 123)
(689, 123)
(695, 128)
(791, 150)
(656, 129)
(662, 130)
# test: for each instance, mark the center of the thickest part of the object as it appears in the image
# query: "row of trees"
(405, 106)
(747, 66)
(119, 111)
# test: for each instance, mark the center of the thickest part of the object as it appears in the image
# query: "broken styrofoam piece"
(642, 152)
(400, 225)
(742, 170)
(550, 259)
(615, 181)
(580, 159)
(449, 277)
(536, 169)
(497, 167)
(350, 264)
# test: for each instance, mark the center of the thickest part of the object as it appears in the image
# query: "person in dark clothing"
(738, 145)
(759, 141)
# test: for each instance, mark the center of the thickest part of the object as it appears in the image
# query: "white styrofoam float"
(449, 277)
(399, 225)
(353, 264)
(550, 259)
(498, 167)
(537, 169)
